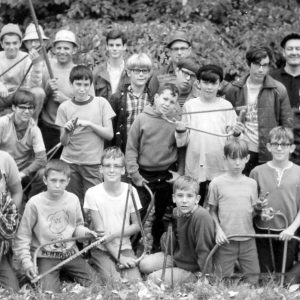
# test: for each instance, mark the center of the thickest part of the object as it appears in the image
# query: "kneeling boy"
(52, 216)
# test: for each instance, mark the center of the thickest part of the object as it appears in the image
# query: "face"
(116, 48)
(11, 45)
(236, 165)
(208, 89)
(185, 200)
(56, 183)
(139, 76)
(81, 89)
(23, 113)
(112, 169)
(280, 150)
(184, 79)
(178, 50)
(32, 44)
(64, 52)
(260, 70)
(291, 52)
(165, 103)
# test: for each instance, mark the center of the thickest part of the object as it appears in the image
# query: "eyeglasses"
(283, 145)
(116, 167)
(138, 71)
(25, 107)
(181, 49)
(188, 75)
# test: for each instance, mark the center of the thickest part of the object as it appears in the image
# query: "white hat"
(65, 36)
(31, 33)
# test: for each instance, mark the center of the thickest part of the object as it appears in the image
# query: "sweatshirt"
(151, 143)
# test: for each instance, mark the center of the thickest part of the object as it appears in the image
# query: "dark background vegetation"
(222, 30)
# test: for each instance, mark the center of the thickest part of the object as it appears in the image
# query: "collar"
(268, 82)
(82, 103)
(121, 66)
(179, 214)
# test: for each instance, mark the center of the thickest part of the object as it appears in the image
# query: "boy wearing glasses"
(132, 98)
(22, 139)
(85, 123)
(280, 178)
(106, 203)
(267, 104)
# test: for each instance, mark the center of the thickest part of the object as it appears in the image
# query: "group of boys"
(163, 135)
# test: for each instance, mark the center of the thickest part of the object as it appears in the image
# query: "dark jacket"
(273, 108)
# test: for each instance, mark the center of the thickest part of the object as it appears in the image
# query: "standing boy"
(52, 216)
(151, 155)
(232, 197)
(85, 123)
(280, 178)
(106, 203)
(195, 237)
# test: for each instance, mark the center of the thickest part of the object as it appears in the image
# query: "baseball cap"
(31, 33)
(65, 36)
(178, 36)
(10, 28)
(288, 37)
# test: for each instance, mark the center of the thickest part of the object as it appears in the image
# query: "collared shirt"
(292, 84)
(115, 75)
(135, 105)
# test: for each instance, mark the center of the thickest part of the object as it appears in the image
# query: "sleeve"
(11, 170)
(213, 194)
(89, 201)
(80, 230)
(182, 139)
(27, 66)
(3, 124)
(107, 111)
(286, 114)
(21, 247)
(61, 116)
(137, 200)
(133, 148)
(37, 140)
(9, 219)
(254, 195)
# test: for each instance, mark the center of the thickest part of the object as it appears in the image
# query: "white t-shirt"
(111, 210)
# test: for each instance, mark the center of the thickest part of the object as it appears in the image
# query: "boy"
(106, 204)
(22, 139)
(195, 236)
(280, 178)
(11, 40)
(83, 142)
(10, 201)
(232, 197)
(131, 100)
(52, 216)
(204, 154)
(151, 155)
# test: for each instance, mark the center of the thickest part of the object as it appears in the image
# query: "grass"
(201, 290)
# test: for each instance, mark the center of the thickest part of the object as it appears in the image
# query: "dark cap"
(214, 68)
(288, 37)
(178, 36)
(188, 63)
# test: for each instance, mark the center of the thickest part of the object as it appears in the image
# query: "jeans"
(8, 277)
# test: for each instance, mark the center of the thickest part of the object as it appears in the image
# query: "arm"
(287, 234)
(286, 114)
(220, 235)
(40, 160)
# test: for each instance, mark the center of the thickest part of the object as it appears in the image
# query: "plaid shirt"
(135, 105)
(9, 218)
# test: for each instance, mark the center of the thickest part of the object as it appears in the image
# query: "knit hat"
(10, 28)
(65, 36)
(288, 37)
(31, 33)
(188, 63)
(214, 68)
(178, 36)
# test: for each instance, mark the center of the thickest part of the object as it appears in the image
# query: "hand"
(83, 123)
(267, 214)
(175, 175)
(52, 83)
(238, 128)
(30, 273)
(287, 234)
(91, 233)
(3, 91)
(221, 237)
(106, 238)
(180, 126)
(59, 96)
(70, 125)
(127, 262)
(262, 202)
(34, 55)
(138, 181)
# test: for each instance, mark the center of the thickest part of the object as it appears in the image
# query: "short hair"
(210, 73)
(186, 183)
(114, 153)
(23, 96)
(116, 34)
(170, 87)
(256, 53)
(190, 63)
(58, 166)
(281, 133)
(139, 60)
(236, 148)
(81, 72)
(291, 36)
